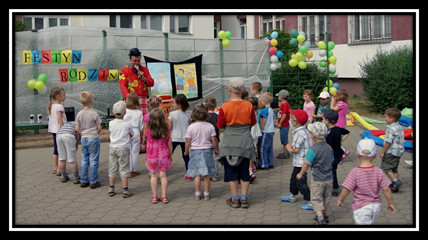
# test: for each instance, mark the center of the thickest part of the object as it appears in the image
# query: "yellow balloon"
(309, 54)
(293, 56)
(332, 59)
(333, 90)
(329, 82)
(293, 62)
(221, 34)
(321, 45)
(302, 64)
(273, 42)
(324, 89)
(299, 56)
(301, 38)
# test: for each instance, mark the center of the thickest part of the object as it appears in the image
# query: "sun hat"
(301, 116)
(366, 147)
(119, 108)
(324, 94)
(319, 129)
(283, 93)
(237, 84)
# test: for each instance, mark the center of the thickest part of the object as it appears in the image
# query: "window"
(369, 28)
(143, 22)
(112, 20)
(216, 28)
(243, 27)
(180, 24)
(271, 22)
(126, 21)
(315, 26)
(40, 22)
(156, 22)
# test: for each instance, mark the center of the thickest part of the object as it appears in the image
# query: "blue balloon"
(336, 85)
(279, 54)
(274, 35)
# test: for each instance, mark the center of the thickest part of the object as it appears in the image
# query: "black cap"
(134, 52)
(331, 115)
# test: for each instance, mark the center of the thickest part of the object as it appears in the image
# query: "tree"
(387, 78)
(20, 25)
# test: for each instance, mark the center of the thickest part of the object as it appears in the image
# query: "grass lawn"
(364, 108)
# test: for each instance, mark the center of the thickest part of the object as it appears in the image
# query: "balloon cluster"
(332, 87)
(331, 60)
(225, 36)
(298, 58)
(273, 51)
(38, 84)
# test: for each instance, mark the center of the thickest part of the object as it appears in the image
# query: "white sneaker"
(409, 162)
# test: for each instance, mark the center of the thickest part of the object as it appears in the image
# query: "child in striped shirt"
(67, 140)
(365, 181)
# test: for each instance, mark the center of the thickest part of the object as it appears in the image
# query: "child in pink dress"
(339, 103)
(158, 153)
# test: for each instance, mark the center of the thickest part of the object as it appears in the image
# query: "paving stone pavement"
(40, 200)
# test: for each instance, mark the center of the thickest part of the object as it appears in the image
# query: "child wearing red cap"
(299, 147)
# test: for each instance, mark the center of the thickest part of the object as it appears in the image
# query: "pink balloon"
(267, 41)
(272, 50)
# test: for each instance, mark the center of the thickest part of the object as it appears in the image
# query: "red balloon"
(272, 50)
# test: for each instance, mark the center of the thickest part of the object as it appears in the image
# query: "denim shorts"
(283, 134)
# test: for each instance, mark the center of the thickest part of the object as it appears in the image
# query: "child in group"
(299, 147)
(154, 102)
(319, 158)
(67, 143)
(339, 103)
(159, 152)
(135, 117)
(256, 134)
(211, 104)
(200, 139)
(57, 118)
(393, 147)
(179, 121)
(335, 137)
(309, 105)
(267, 127)
(88, 125)
(283, 119)
(121, 133)
(236, 148)
(256, 89)
(365, 181)
(324, 98)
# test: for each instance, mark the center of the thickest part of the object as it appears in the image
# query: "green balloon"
(294, 33)
(228, 34)
(323, 63)
(303, 49)
(42, 77)
(331, 45)
(293, 42)
(329, 54)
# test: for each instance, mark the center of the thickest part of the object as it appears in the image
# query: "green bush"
(387, 78)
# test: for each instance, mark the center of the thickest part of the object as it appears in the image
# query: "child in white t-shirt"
(135, 117)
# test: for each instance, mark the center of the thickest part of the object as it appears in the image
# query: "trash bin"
(166, 104)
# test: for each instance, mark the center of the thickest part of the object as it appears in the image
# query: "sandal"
(164, 200)
(233, 203)
(54, 171)
(154, 199)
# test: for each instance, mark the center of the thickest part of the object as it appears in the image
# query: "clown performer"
(136, 78)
